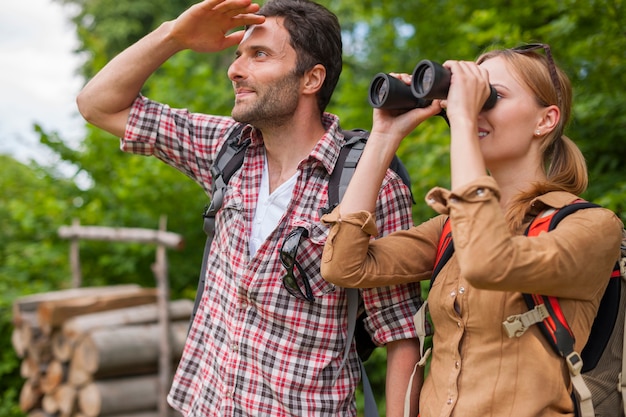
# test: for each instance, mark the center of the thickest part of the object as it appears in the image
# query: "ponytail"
(566, 171)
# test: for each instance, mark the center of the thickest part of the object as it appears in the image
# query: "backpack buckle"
(574, 363)
(517, 324)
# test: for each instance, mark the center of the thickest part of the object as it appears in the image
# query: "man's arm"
(402, 355)
(106, 100)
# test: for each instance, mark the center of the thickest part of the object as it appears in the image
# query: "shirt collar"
(553, 199)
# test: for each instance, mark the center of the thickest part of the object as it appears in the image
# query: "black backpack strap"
(345, 166)
(608, 309)
(229, 159)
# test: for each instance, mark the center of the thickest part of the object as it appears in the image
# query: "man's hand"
(204, 26)
(106, 100)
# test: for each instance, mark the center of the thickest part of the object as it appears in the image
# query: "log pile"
(89, 352)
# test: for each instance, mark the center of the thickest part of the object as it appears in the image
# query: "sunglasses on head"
(299, 285)
(551, 65)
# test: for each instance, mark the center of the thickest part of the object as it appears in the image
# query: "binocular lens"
(380, 88)
(425, 80)
(390, 93)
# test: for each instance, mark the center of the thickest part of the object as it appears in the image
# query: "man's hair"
(315, 35)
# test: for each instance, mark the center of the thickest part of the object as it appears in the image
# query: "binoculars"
(430, 81)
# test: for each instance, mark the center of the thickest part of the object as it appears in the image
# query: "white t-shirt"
(269, 208)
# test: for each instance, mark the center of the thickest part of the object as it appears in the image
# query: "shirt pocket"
(229, 223)
(309, 255)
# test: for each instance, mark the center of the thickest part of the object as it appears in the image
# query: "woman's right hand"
(388, 129)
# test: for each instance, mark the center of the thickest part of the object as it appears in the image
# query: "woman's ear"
(549, 120)
(314, 79)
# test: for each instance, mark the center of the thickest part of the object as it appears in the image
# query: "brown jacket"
(476, 370)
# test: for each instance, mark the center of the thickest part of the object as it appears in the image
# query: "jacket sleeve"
(572, 261)
(352, 259)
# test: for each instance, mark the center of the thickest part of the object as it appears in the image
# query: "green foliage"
(116, 189)
(32, 258)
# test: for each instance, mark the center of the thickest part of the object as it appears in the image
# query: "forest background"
(588, 40)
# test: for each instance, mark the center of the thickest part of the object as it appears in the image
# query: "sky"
(38, 77)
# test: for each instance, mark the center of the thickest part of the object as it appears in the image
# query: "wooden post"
(160, 272)
(75, 257)
(163, 240)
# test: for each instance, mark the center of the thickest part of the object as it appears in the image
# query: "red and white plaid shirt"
(254, 349)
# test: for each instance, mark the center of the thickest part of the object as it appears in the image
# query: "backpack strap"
(345, 166)
(229, 159)
(423, 324)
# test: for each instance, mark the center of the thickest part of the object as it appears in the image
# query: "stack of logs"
(90, 352)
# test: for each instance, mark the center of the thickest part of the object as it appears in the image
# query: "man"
(259, 347)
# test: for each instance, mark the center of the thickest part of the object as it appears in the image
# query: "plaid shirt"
(254, 349)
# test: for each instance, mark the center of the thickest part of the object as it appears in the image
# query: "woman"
(508, 165)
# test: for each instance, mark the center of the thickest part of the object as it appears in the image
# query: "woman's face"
(507, 131)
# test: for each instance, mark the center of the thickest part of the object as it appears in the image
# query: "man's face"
(267, 91)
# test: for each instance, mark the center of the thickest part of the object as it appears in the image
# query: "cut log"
(115, 396)
(62, 346)
(39, 413)
(40, 349)
(17, 342)
(29, 303)
(109, 351)
(55, 374)
(77, 375)
(31, 369)
(62, 402)
(23, 336)
(53, 313)
(152, 413)
(76, 327)
(30, 396)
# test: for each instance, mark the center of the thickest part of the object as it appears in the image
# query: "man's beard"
(274, 106)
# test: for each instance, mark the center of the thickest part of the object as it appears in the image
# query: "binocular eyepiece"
(430, 81)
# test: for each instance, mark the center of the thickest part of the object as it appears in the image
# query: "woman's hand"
(469, 90)
(388, 130)
(394, 125)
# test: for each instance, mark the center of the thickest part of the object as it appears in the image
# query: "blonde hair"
(563, 162)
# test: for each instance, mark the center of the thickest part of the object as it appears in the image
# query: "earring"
(537, 132)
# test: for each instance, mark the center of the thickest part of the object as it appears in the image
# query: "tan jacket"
(476, 370)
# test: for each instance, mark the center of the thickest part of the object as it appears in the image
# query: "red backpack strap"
(445, 249)
(550, 318)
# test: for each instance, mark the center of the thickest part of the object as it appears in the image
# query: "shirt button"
(461, 290)
(458, 324)
(457, 364)
(235, 347)
(449, 401)
(452, 293)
